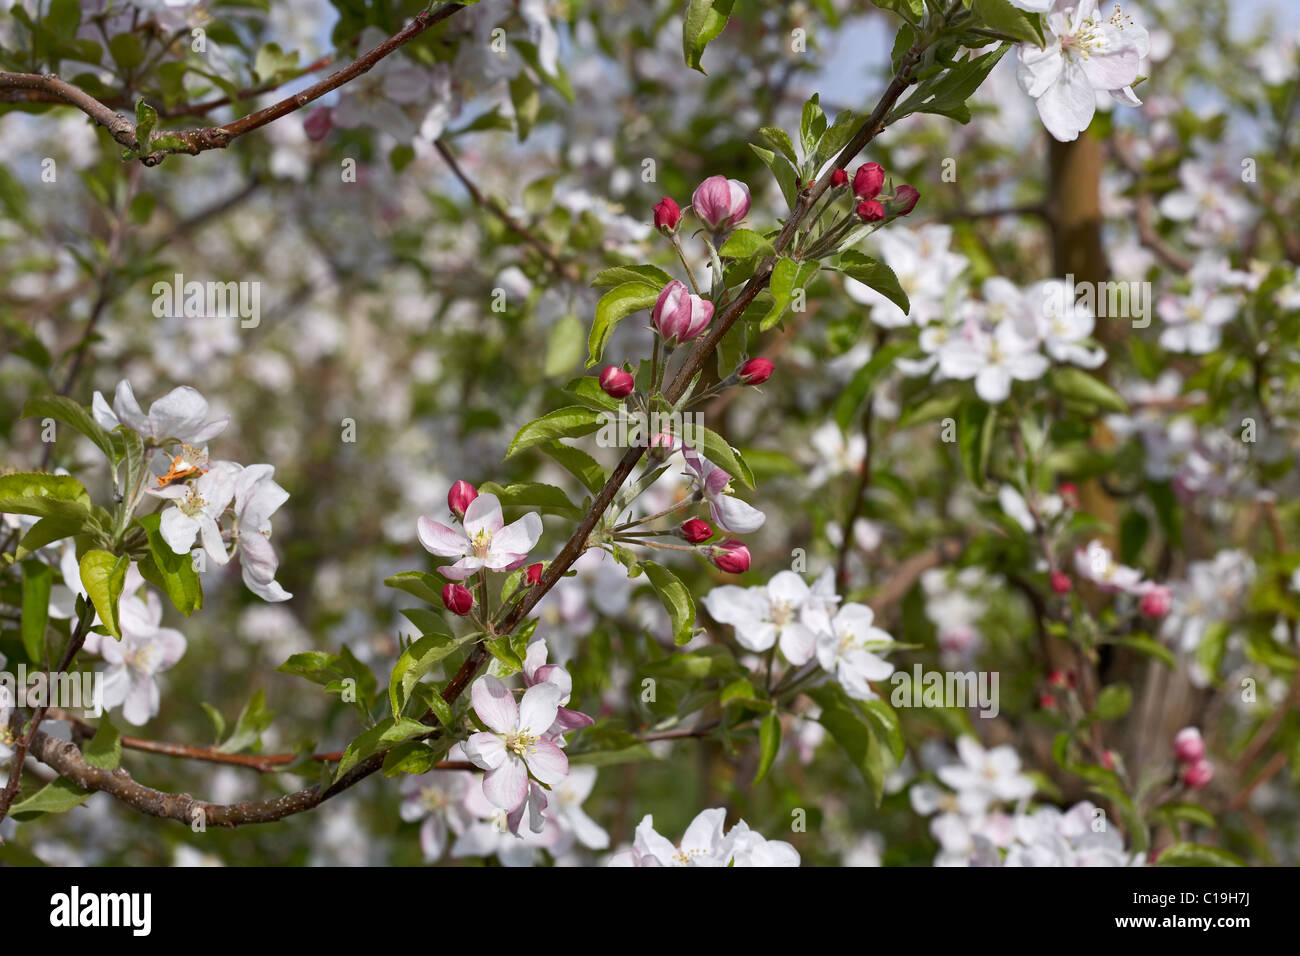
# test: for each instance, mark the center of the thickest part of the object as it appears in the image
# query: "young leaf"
(572, 421)
(676, 599)
(102, 575)
(615, 306)
(705, 19)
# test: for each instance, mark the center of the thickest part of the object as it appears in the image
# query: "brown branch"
(566, 269)
(195, 141)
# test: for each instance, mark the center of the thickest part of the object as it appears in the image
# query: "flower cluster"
(706, 844)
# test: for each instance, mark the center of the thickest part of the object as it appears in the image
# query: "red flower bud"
(616, 382)
(756, 371)
(317, 124)
(730, 556)
(1156, 601)
(1199, 774)
(457, 599)
(871, 211)
(458, 499)
(905, 200)
(1047, 701)
(1058, 679)
(1060, 582)
(533, 573)
(868, 180)
(695, 531)
(1188, 745)
(667, 215)
(1108, 760)
(839, 178)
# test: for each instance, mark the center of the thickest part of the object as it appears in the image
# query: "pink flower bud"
(457, 599)
(1156, 601)
(756, 371)
(1060, 679)
(667, 215)
(720, 203)
(616, 382)
(680, 316)
(1108, 760)
(871, 211)
(458, 499)
(1188, 745)
(730, 556)
(839, 178)
(1046, 701)
(1060, 582)
(905, 200)
(695, 531)
(1199, 774)
(317, 124)
(533, 574)
(868, 180)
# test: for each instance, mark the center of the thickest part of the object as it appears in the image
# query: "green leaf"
(102, 575)
(1076, 384)
(527, 104)
(44, 495)
(782, 170)
(57, 797)
(946, 93)
(975, 426)
(780, 140)
(855, 393)
(1195, 854)
(420, 584)
(1114, 701)
(885, 721)
(1001, 16)
(716, 449)
(875, 274)
(1148, 646)
(1209, 653)
(563, 346)
(854, 735)
(615, 306)
(146, 120)
(676, 599)
(572, 421)
(1187, 812)
(315, 666)
(769, 743)
(50, 529)
(532, 494)
(37, 580)
(104, 749)
(705, 19)
(173, 573)
(617, 275)
(812, 124)
(416, 661)
(253, 720)
(426, 621)
(65, 410)
(788, 277)
(579, 464)
(744, 243)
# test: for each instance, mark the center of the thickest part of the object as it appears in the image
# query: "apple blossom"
(984, 777)
(868, 180)
(487, 542)
(537, 671)
(195, 508)
(257, 497)
(756, 371)
(180, 415)
(695, 531)
(436, 799)
(145, 650)
(667, 215)
(678, 315)
(516, 742)
(766, 616)
(847, 650)
(703, 844)
(720, 203)
(457, 598)
(905, 199)
(617, 383)
(993, 360)
(1084, 55)
(459, 498)
(728, 513)
(1188, 745)
(731, 556)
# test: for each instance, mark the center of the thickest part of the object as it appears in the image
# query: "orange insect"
(183, 466)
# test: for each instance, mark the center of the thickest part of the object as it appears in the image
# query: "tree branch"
(195, 141)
